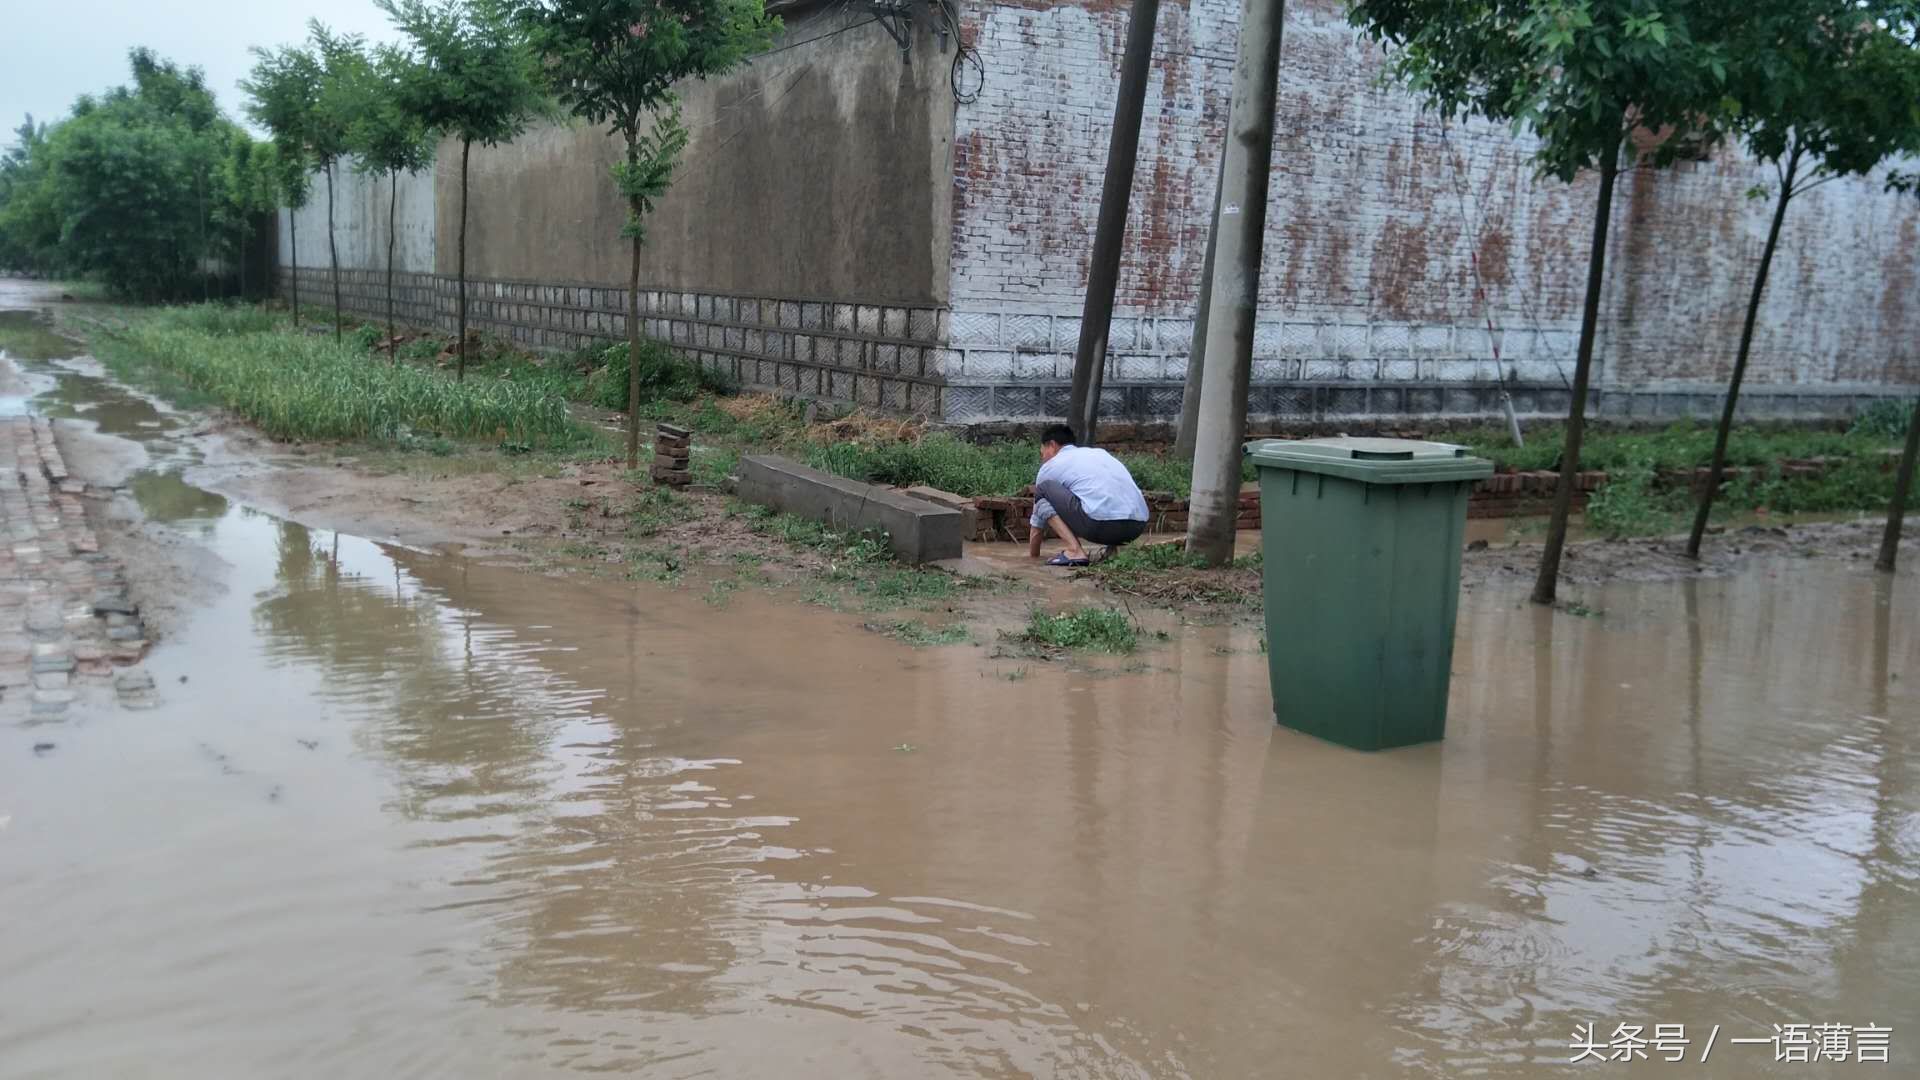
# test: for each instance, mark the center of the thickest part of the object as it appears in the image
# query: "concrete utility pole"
(1245, 168)
(1197, 352)
(1103, 272)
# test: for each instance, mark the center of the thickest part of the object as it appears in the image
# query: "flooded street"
(400, 813)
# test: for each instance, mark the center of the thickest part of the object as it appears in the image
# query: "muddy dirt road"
(399, 813)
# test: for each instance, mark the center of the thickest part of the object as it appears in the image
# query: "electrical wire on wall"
(966, 67)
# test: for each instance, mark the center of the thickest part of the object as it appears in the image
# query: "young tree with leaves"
(1584, 76)
(475, 80)
(615, 62)
(390, 139)
(1824, 91)
(282, 91)
(295, 185)
(346, 84)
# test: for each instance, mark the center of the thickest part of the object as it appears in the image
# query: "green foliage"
(1100, 629)
(1847, 486)
(656, 509)
(1828, 81)
(296, 386)
(1137, 559)
(424, 348)
(614, 61)
(1580, 74)
(388, 138)
(974, 469)
(643, 177)
(139, 188)
(1629, 504)
(919, 634)
(1885, 420)
(345, 94)
(1682, 445)
(939, 460)
(471, 75)
(663, 377)
(862, 561)
(220, 320)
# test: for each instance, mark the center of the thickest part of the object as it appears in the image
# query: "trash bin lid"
(1370, 460)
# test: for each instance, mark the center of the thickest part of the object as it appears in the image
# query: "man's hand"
(1034, 536)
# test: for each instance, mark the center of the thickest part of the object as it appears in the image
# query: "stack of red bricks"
(1505, 494)
(672, 449)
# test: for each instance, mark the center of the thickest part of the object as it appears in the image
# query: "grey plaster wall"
(360, 222)
(820, 170)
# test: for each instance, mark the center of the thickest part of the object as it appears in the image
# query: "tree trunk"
(1197, 351)
(1718, 468)
(333, 254)
(1549, 577)
(633, 349)
(1103, 270)
(1244, 173)
(393, 197)
(1902, 484)
(460, 304)
(293, 240)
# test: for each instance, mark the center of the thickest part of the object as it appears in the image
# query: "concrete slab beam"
(918, 531)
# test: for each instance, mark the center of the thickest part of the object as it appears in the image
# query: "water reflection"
(475, 817)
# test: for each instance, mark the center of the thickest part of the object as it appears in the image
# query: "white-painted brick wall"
(1377, 212)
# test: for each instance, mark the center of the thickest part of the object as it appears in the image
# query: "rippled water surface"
(405, 816)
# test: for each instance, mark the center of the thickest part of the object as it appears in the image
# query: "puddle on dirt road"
(411, 815)
(62, 383)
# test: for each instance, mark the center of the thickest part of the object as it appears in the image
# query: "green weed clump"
(919, 634)
(663, 376)
(220, 320)
(1631, 503)
(1682, 445)
(301, 386)
(1884, 419)
(1100, 629)
(972, 469)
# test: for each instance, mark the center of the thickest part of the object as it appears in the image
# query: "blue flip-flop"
(1063, 559)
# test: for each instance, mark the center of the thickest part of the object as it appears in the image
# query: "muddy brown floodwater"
(402, 814)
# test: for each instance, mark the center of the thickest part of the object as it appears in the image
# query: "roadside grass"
(859, 565)
(1686, 444)
(654, 509)
(439, 459)
(1644, 497)
(1099, 629)
(1636, 501)
(83, 291)
(972, 469)
(307, 387)
(1165, 572)
(921, 635)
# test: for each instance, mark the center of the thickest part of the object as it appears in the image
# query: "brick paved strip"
(65, 619)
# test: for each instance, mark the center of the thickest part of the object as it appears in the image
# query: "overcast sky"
(52, 51)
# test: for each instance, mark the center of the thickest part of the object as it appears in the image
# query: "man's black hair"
(1058, 434)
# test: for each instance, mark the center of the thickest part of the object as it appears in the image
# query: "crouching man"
(1082, 494)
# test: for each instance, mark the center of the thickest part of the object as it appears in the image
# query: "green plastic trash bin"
(1361, 544)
